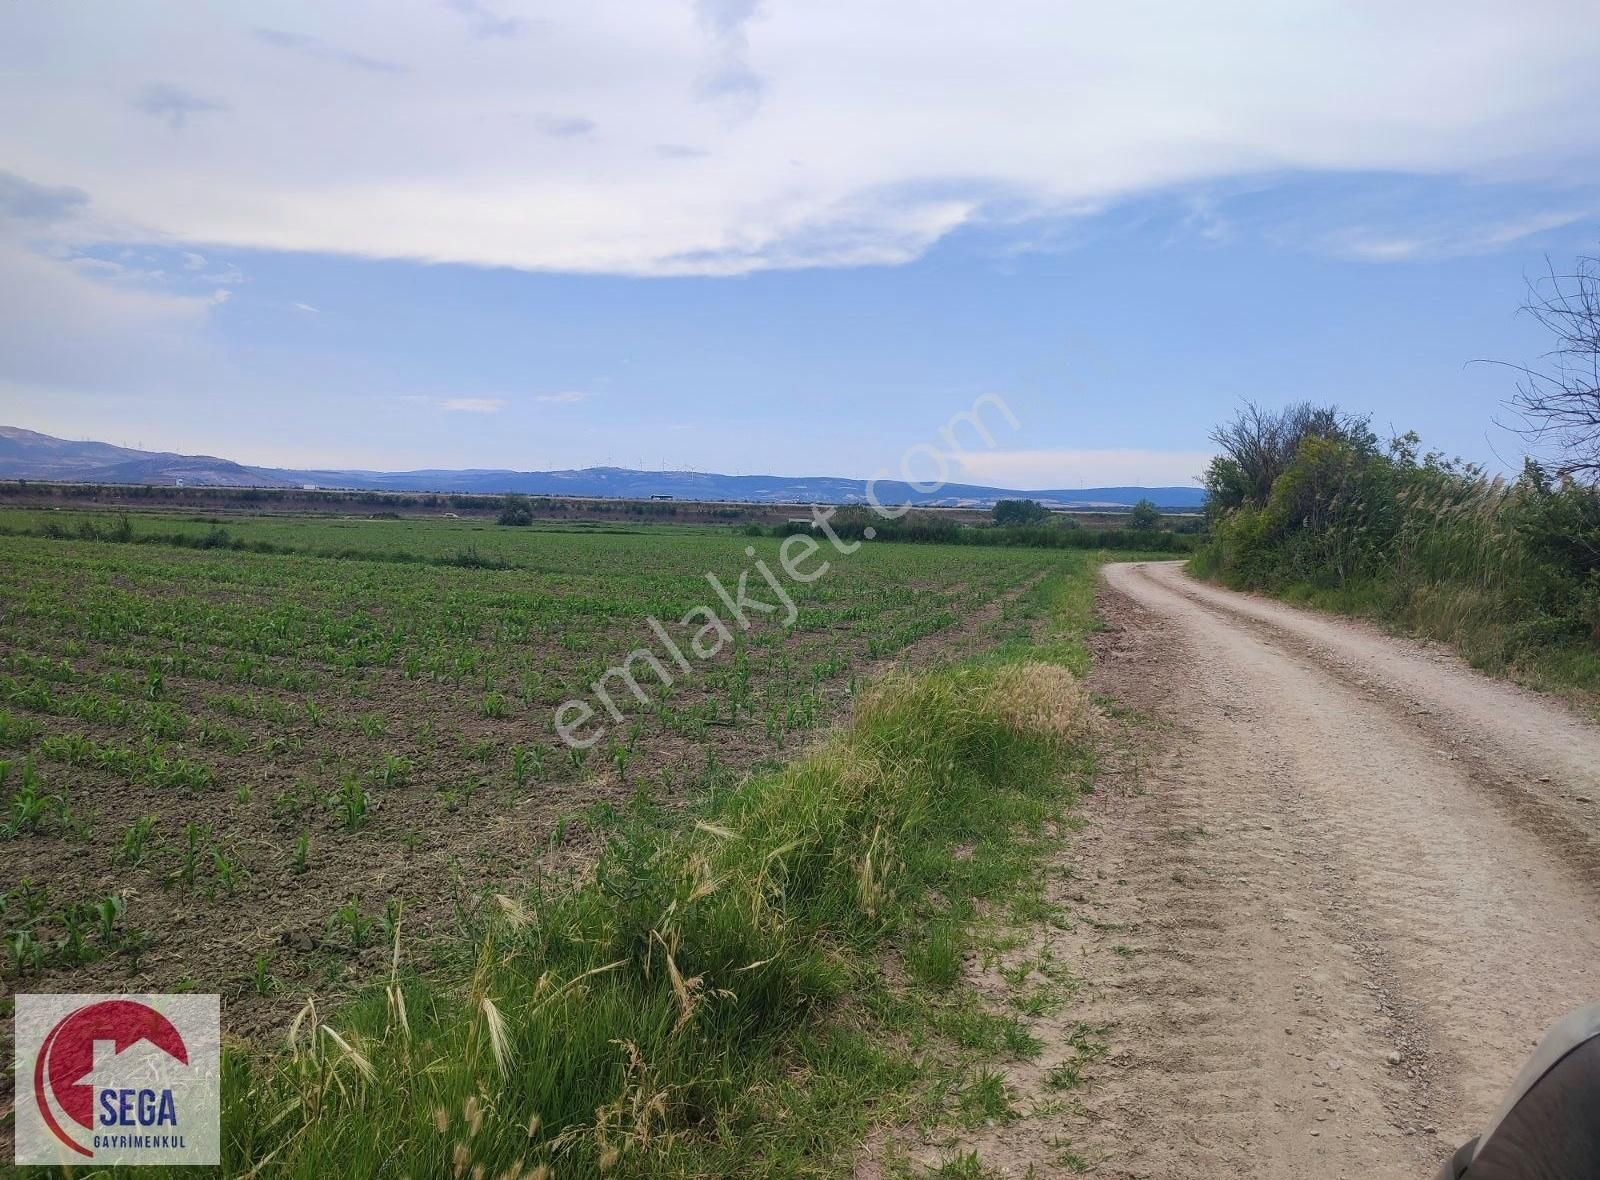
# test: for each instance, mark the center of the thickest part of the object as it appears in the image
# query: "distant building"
(308, 487)
(660, 497)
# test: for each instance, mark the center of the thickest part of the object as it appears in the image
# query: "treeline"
(122, 532)
(852, 524)
(199, 496)
(1306, 501)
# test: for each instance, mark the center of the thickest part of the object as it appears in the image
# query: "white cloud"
(1373, 245)
(473, 405)
(62, 324)
(837, 133)
(72, 320)
(307, 308)
(566, 396)
(1085, 468)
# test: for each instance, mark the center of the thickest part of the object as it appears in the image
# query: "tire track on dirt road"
(1347, 884)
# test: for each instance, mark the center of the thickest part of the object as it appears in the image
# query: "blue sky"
(755, 237)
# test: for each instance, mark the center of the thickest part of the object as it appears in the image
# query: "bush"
(515, 509)
(1009, 513)
(1144, 515)
(1509, 574)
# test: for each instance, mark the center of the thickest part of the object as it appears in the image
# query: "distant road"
(1365, 879)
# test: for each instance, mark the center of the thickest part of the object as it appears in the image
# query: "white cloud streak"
(856, 142)
(473, 405)
(1078, 468)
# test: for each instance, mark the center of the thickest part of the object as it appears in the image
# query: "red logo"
(66, 1058)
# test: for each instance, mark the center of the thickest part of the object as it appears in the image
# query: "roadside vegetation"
(1308, 504)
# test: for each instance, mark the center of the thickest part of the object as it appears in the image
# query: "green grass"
(1477, 626)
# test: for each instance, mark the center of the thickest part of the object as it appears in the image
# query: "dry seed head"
(461, 1158)
(498, 1041)
(472, 1115)
(687, 991)
(397, 1009)
(1042, 698)
(363, 1066)
(516, 913)
(869, 881)
(308, 1011)
(533, 1124)
(441, 1119)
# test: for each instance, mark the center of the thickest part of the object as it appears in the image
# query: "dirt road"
(1338, 888)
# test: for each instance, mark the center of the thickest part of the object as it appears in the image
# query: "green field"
(288, 777)
(253, 747)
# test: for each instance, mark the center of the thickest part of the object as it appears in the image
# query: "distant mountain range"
(25, 454)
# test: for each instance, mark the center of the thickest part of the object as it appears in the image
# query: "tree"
(1559, 401)
(1020, 512)
(515, 509)
(1145, 515)
(1259, 444)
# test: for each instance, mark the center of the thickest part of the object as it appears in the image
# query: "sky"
(766, 236)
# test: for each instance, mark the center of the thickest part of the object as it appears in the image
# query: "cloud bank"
(727, 136)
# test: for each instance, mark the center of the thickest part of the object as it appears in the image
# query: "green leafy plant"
(194, 836)
(228, 871)
(395, 771)
(356, 925)
(25, 951)
(262, 981)
(30, 806)
(108, 914)
(351, 802)
(527, 762)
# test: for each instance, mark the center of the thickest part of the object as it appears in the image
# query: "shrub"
(1507, 573)
(1020, 512)
(515, 509)
(1144, 515)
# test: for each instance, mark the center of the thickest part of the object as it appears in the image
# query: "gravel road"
(1348, 882)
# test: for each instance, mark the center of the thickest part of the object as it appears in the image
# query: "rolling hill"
(25, 454)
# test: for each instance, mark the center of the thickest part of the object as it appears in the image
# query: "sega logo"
(118, 1080)
(138, 1108)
